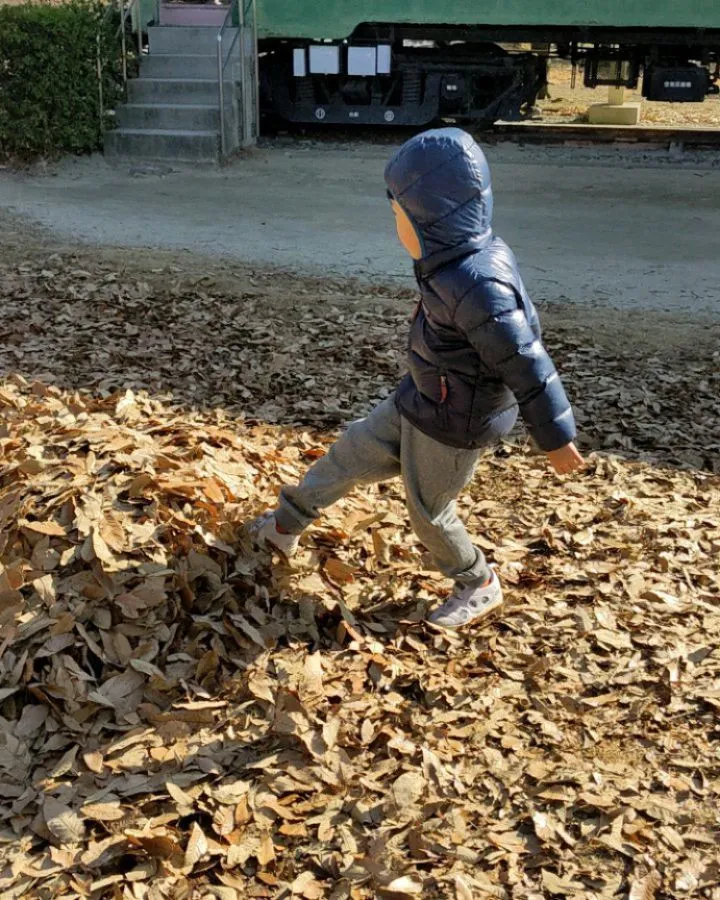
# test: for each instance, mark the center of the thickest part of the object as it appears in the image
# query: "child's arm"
(495, 323)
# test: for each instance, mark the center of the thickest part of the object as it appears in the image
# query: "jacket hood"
(442, 181)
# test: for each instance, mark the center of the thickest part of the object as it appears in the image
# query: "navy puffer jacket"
(475, 352)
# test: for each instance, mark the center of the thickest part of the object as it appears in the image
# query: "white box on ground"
(325, 59)
(299, 62)
(384, 59)
(361, 61)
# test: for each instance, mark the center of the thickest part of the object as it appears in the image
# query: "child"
(475, 357)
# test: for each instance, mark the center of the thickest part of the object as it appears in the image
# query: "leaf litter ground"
(182, 717)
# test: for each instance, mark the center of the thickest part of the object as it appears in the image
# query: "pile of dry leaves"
(182, 717)
(280, 349)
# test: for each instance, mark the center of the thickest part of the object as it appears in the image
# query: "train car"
(412, 62)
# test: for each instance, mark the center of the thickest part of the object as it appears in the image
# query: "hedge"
(49, 101)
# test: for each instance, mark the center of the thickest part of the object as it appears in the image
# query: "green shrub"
(49, 99)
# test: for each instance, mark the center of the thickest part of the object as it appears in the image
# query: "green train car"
(411, 62)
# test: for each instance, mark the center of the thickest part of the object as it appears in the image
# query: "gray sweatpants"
(381, 447)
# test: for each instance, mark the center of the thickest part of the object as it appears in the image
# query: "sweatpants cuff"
(288, 522)
(477, 574)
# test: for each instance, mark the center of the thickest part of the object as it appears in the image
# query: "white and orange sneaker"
(468, 604)
(264, 532)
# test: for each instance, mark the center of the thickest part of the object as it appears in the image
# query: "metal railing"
(243, 130)
(222, 61)
(125, 9)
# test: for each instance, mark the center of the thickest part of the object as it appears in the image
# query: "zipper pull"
(443, 388)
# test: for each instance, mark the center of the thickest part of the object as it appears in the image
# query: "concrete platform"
(614, 114)
(616, 111)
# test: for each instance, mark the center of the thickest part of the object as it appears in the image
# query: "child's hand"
(566, 460)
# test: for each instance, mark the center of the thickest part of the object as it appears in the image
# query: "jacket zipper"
(443, 387)
(472, 401)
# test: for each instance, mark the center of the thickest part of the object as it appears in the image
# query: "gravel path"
(634, 231)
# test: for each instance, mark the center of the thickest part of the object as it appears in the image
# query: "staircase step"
(193, 14)
(168, 117)
(166, 65)
(175, 91)
(178, 39)
(148, 144)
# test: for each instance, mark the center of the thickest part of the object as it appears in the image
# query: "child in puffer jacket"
(475, 359)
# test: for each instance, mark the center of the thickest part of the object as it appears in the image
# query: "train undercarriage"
(384, 75)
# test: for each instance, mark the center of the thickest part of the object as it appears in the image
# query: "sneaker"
(263, 531)
(468, 604)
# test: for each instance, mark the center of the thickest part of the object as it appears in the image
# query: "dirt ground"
(630, 230)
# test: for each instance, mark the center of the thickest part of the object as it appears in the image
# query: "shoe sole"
(483, 614)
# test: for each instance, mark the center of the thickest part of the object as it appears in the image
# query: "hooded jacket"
(475, 350)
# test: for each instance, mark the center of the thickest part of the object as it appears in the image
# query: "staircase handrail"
(125, 9)
(222, 61)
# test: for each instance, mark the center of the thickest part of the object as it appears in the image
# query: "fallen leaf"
(53, 529)
(197, 846)
(407, 790)
(266, 850)
(401, 887)
(62, 822)
(338, 571)
(103, 812)
(645, 888)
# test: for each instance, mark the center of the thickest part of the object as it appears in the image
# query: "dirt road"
(589, 228)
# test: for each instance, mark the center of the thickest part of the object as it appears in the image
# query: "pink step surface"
(193, 14)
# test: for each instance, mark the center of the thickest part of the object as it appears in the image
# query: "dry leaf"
(103, 812)
(62, 822)
(50, 528)
(184, 801)
(197, 846)
(94, 761)
(408, 789)
(338, 571)
(645, 888)
(543, 827)
(401, 887)
(66, 763)
(157, 846)
(116, 689)
(302, 712)
(463, 889)
(266, 850)
(555, 885)
(305, 885)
